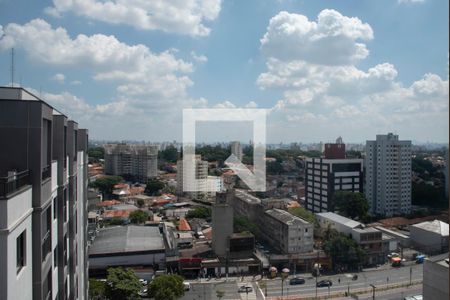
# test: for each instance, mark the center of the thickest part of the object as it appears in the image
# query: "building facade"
(43, 197)
(370, 239)
(236, 149)
(288, 233)
(435, 278)
(388, 175)
(334, 151)
(222, 224)
(194, 187)
(138, 161)
(323, 177)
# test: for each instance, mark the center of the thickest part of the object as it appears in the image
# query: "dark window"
(55, 208)
(21, 247)
(47, 233)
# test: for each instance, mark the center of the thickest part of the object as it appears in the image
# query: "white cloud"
(135, 67)
(329, 95)
(75, 82)
(60, 78)
(411, 1)
(183, 17)
(331, 40)
(199, 58)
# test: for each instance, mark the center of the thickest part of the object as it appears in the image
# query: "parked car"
(297, 280)
(245, 289)
(324, 283)
(186, 286)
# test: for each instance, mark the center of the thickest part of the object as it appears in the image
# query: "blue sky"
(126, 69)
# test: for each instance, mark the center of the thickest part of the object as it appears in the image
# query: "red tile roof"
(184, 225)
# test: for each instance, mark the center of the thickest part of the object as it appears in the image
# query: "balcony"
(13, 182)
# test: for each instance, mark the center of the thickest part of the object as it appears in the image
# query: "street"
(377, 277)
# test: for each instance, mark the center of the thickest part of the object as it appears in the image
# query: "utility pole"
(410, 276)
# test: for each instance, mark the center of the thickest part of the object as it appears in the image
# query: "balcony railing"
(13, 182)
(46, 245)
(46, 172)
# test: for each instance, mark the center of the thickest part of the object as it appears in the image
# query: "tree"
(138, 217)
(344, 251)
(96, 153)
(170, 154)
(140, 202)
(199, 212)
(241, 224)
(166, 287)
(122, 284)
(350, 204)
(153, 187)
(97, 289)
(220, 294)
(106, 184)
(304, 214)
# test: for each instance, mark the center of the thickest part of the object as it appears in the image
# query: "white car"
(186, 286)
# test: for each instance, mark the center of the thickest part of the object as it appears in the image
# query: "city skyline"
(134, 71)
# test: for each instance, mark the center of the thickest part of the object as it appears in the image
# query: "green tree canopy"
(166, 287)
(97, 289)
(96, 153)
(301, 212)
(154, 186)
(344, 251)
(350, 204)
(140, 202)
(170, 154)
(199, 212)
(138, 217)
(241, 224)
(122, 284)
(106, 184)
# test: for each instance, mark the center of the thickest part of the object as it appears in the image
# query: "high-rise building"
(138, 161)
(335, 151)
(43, 197)
(195, 187)
(222, 223)
(388, 175)
(236, 149)
(323, 177)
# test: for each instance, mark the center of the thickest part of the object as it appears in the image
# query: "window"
(55, 209)
(21, 250)
(55, 257)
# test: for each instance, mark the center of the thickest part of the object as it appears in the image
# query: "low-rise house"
(430, 237)
(369, 238)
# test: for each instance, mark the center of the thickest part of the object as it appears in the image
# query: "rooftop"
(339, 219)
(247, 197)
(285, 217)
(126, 239)
(435, 226)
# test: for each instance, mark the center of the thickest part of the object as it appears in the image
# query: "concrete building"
(199, 182)
(43, 200)
(323, 177)
(435, 278)
(334, 151)
(287, 233)
(222, 223)
(138, 161)
(369, 238)
(236, 149)
(430, 237)
(126, 246)
(388, 175)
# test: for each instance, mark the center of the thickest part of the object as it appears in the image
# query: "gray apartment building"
(43, 219)
(323, 177)
(288, 233)
(388, 175)
(140, 162)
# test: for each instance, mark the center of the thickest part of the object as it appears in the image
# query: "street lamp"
(284, 275)
(373, 291)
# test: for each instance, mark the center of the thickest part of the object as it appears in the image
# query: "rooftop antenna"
(12, 67)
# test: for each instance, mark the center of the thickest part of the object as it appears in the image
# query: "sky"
(126, 69)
